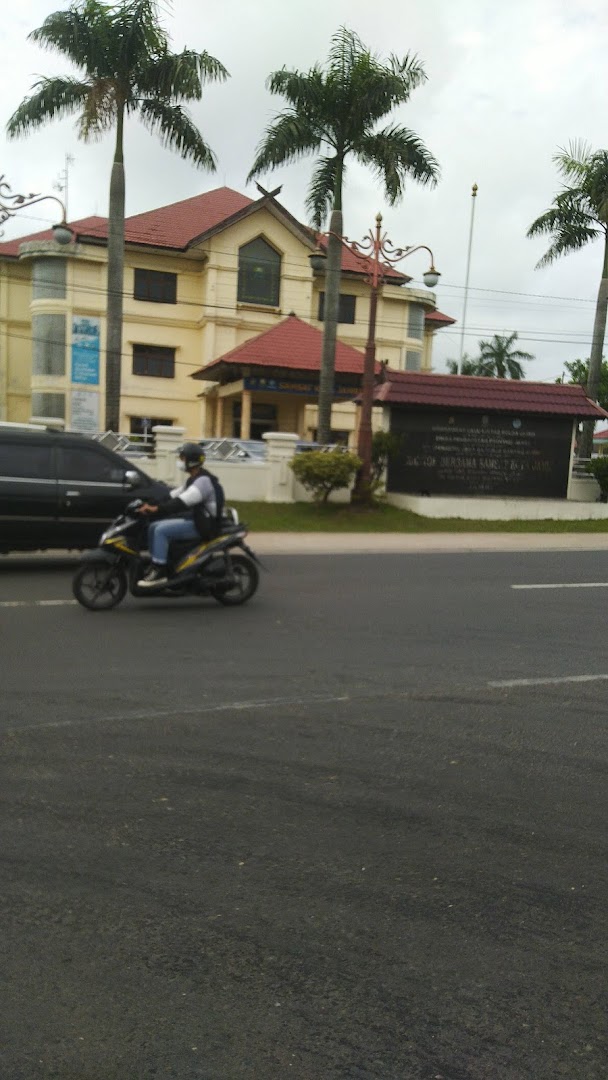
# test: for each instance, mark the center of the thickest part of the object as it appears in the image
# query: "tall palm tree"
(499, 360)
(335, 113)
(126, 68)
(578, 215)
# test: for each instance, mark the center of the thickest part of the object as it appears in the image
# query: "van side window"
(84, 464)
(26, 461)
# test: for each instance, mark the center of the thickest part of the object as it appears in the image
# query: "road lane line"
(506, 683)
(567, 585)
(36, 603)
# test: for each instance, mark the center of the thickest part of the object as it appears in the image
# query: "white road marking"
(196, 710)
(37, 603)
(505, 683)
(567, 585)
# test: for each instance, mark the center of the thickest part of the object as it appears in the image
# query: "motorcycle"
(224, 568)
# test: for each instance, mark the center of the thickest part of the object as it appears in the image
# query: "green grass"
(336, 517)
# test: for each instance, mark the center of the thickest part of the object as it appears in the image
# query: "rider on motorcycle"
(191, 511)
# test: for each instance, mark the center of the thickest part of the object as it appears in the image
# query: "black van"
(60, 490)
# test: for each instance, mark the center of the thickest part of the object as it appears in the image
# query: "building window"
(259, 274)
(346, 308)
(142, 426)
(413, 360)
(155, 286)
(48, 279)
(415, 327)
(48, 406)
(156, 361)
(48, 344)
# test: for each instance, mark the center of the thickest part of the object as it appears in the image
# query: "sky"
(507, 86)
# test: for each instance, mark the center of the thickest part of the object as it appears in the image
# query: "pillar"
(246, 414)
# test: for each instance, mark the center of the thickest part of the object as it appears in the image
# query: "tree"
(579, 215)
(497, 359)
(335, 113)
(126, 67)
(578, 372)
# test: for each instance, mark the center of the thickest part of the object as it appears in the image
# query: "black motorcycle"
(224, 568)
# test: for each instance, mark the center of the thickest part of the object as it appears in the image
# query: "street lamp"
(378, 254)
(11, 204)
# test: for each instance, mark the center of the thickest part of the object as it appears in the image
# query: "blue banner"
(85, 351)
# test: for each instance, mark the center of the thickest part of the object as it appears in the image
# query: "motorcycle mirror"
(132, 478)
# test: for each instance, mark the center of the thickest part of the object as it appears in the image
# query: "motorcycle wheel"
(246, 580)
(99, 587)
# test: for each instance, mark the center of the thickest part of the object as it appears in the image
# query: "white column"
(167, 441)
(281, 449)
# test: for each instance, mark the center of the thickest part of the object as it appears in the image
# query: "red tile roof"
(82, 227)
(436, 319)
(490, 395)
(292, 345)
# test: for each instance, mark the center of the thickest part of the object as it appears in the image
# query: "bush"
(385, 444)
(599, 468)
(322, 472)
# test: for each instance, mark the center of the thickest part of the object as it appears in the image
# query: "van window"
(26, 460)
(86, 464)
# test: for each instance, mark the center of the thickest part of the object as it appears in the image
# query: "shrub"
(385, 444)
(599, 468)
(322, 472)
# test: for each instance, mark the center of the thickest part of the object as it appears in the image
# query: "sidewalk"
(317, 543)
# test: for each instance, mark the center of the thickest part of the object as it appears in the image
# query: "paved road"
(344, 833)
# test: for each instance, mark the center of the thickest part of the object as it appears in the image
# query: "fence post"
(167, 441)
(281, 447)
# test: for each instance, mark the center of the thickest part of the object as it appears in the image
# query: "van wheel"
(245, 580)
(99, 587)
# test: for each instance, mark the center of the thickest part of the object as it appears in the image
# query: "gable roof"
(408, 388)
(436, 319)
(291, 345)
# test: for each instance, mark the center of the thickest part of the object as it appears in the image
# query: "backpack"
(220, 498)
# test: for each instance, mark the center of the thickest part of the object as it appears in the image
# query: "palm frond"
(287, 139)
(395, 154)
(321, 192)
(137, 34)
(77, 33)
(177, 131)
(304, 90)
(570, 223)
(573, 160)
(54, 99)
(179, 76)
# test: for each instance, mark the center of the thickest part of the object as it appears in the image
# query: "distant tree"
(497, 359)
(578, 372)
(579, 215)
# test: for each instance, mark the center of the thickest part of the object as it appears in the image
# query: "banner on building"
(85, 350)
(85, 412)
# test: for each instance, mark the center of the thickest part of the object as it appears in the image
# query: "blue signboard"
(285, 386)
(85, 351)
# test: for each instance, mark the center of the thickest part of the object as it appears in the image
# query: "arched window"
(259, 273)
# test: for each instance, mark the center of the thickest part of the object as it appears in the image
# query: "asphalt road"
(346, 832)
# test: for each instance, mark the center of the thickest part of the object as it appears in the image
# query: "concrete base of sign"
(488, 508)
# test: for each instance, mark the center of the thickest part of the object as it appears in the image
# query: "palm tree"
(126, 67)
(469, 366)
(578, 215)
(335, 113)
(499, 360)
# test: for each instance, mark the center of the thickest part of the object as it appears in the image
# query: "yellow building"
(202, 276)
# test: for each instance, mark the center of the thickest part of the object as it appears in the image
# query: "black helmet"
(191, 454)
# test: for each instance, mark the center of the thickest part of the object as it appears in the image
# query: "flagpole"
(466, 283)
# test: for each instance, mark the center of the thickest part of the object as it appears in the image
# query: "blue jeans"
(161, 533)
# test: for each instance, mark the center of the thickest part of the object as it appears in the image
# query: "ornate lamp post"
(378, 254)
(11, 204)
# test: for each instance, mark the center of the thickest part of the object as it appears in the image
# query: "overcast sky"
(507, 85)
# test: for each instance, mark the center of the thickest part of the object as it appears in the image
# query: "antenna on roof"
(269, 194)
